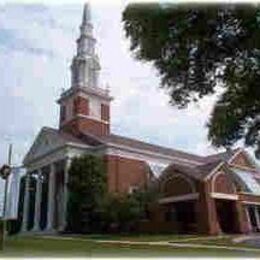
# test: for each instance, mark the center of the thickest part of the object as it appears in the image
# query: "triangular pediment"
(45, 142)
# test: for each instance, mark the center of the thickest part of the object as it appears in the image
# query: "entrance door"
(185, 216)
(226, 215)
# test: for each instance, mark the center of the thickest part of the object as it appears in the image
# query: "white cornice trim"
(250, 202)
(215, 170)
(99, 92)
(93, 118)
(248, 194)
(28, 162)
(235, 155)
(253, 170)
(69, 144)
(148, 153)
(226, 196)
(190, 196)
(65, 122)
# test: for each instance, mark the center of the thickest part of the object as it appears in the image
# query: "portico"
(45, 197)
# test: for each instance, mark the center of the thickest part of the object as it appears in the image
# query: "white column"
(51, 187)
(257, 217)
(25, 204)
(248, 219)
(37, 207)
(65, 195)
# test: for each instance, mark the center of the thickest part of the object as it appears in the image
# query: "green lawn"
(47, 247)
(139, 237)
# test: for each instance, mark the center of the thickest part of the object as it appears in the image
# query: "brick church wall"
(206, 211)
(222, 184)
(81, 106)
(242, 160)
(177, 185)
(124, 173)
(82, 124)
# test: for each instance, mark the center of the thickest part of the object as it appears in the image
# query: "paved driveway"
(252, 240)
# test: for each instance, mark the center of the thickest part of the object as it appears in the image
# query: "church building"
(211, 194)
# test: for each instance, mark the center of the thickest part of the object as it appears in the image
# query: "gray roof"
(224, 156)
(90, 139)
(196, 172)
(207, 163)
(133, 143)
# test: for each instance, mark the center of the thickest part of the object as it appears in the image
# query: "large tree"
(87, 192)
(199, 50)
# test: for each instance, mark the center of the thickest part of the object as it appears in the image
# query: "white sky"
(37, 43)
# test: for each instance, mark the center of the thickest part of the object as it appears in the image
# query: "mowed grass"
(34, 246)
(139, 237)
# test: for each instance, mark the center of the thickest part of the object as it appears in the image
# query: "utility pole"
(5, 176)
(10, 150)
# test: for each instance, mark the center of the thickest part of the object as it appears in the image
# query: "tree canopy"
(199, 50)
(87, 190)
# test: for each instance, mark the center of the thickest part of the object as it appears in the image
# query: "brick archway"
(177, 184)
(222, 183)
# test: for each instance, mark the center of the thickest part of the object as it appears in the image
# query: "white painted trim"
(145, 152)
(99, 92)
(80, 145)
(93, 118)
(253, 170)
(235, 155)
(250, 159)
(250, 202)
(139, 157)
(214, 170)
(214, 180)
(226, 196)
(190, 196)
(84, 116)
(248, 193)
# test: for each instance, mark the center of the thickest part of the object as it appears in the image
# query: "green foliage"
(198, 48)
(87, 190)
(128, 209)
(92, 209)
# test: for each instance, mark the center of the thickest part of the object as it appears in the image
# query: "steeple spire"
(85, 65)
(85, 106)
(86, 14)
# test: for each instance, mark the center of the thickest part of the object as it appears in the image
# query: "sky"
(37, 43)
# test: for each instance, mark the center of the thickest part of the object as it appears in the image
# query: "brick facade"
(176, 186)
(77, 115)
(89, 125)
(222, 183)
(124, 174)
(207, 215)
(242, 160)
(81, 106)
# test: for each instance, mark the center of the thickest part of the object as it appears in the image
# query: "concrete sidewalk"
(176, 244)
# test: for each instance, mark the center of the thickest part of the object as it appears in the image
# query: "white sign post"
(9, 196)
(12, 195)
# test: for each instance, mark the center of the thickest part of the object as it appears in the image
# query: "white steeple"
(85, 65)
